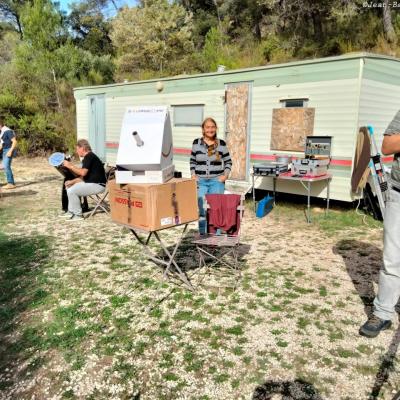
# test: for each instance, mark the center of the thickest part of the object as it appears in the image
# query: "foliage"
(216, 51)
(39, 73)
(90, 29)
(155, 36)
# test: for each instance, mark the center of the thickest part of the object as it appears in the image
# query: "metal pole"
(254, 192)
(328, 195)
(308, 201)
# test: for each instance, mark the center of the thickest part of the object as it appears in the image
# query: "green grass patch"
(323, 291)
(340, 219)
(118, 301)
(344, 353)
(236, 330)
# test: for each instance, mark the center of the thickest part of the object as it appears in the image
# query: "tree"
(8, 44)
(387, 22)
(89, 27)
(153, 36)
(11, 11)
(245, 14)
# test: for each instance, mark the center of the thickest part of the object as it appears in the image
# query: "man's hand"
(69, 184)
(391, 144)
(9, 153)
(195, 177)
(222, 178)
(67, 164)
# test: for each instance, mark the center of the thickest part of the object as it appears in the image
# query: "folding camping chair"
(100, 202)
(221, 243)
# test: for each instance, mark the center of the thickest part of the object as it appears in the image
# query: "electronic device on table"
(271, 168)
(317, 158)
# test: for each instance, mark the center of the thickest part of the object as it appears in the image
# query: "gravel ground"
(84, 314)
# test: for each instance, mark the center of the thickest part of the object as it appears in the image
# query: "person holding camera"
(91, 179)
(389, 275)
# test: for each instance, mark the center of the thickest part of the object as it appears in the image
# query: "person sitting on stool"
(91, 179)
(64, 200)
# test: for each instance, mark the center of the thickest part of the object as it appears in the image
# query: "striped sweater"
(210, 166)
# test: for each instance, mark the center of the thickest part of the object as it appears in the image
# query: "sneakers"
(373, 326)
(76, 218)
(9, 186)
(66, 215)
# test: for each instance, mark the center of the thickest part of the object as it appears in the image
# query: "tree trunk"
(317, 24)
(115, 5)
(387, 23)
(21, 35)
(257, 30)
(56, 90)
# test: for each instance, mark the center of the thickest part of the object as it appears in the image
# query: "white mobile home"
(260, 111)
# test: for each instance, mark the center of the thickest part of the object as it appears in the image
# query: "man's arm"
(72, 182)
(391, 144)
(13, 146)
(75, 170)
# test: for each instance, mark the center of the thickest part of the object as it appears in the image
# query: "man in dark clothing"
(91, 179)
(8, 142)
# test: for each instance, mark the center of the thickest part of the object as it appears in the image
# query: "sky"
(110, 12)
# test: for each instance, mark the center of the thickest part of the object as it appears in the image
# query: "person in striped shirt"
(210, 165)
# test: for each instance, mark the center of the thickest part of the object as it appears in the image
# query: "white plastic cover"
(145, 142)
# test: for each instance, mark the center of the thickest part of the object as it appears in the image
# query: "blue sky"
(64, 4)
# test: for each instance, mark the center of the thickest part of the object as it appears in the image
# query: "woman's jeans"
(7, 167)
(206, 186)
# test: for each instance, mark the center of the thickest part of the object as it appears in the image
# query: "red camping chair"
(224, 214)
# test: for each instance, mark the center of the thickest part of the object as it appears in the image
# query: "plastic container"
(265, 206)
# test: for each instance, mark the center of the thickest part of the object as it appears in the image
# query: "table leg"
(274, 185)
(254, 193)
(308, 202)
(171, 260)
(328, 190)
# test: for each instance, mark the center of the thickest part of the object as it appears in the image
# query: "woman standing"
(210, 165)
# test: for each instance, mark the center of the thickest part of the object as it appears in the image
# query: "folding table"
(302, 180)
(144, 236)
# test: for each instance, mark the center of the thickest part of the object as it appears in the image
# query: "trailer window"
(294, 103)
(188, 115)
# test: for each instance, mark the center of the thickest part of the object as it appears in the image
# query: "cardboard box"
(152, 207)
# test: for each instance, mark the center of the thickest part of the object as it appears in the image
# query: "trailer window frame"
(299, 102)
(184, 120)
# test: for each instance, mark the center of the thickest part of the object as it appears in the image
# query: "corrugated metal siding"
(335, 104)
(385, 71)
(379, 103)
(82, 118)
(272, 75)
